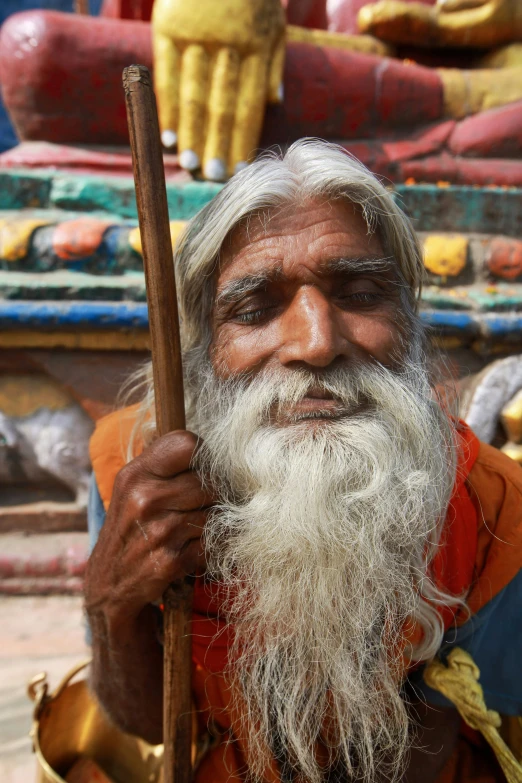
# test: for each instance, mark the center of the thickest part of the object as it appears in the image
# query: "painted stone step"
(495, 210)
(43, 241)
(133, 315)
(63, 285)
(43, 563)
(36, 288)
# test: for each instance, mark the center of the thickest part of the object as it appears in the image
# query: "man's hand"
(216, 64)
(475, 23)
(151, 538)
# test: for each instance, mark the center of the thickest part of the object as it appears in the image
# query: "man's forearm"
(127, 672)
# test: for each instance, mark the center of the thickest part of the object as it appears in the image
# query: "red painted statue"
(61, 81)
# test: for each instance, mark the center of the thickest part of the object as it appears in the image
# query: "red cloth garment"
(480, 553)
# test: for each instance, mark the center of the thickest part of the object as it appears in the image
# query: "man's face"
(307, 289)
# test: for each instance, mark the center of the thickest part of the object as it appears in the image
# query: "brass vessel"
(69, 723)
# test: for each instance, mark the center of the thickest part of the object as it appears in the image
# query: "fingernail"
(169, 138)
(189, 160)
(281, 93)
(240, 166)
(215, 170)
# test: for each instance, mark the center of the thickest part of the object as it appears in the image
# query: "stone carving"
(43, 434)
(494, 392)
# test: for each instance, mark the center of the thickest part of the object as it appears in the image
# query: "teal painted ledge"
(432, 208)
(463, 208)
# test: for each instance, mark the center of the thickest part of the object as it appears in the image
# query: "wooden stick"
(151, 195)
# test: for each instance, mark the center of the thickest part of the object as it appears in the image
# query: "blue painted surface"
(503, 325)
(446, 320)
(7, 8)
(70, 315)
(110, 315)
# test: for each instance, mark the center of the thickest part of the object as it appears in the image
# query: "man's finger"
(166, 87)
(159, 497)
(165, 458)
(250, 110)
(221, 110)
(193, 94)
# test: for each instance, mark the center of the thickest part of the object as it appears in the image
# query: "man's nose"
(310, 332)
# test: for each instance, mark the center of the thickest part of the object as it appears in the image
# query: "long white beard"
(323, 539)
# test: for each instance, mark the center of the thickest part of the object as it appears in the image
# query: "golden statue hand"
(216, 64)
(466, 23)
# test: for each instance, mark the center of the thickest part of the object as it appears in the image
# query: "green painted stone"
(24, 188)
(65, 286)
(498, 302)
(445, 300)
(462, 208)
(432, 208)
(117, 195)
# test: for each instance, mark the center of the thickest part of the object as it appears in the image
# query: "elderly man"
(344, 528)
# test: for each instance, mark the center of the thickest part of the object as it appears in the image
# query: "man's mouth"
(316, 404)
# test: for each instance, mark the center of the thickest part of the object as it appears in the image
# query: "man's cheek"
(378, 337)
(236, 349)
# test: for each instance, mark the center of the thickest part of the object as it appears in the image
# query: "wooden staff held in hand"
(153, 216)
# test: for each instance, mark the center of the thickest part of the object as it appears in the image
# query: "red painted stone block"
(80, 238)
(463, 171)
(423, 142)
(322, 97)
(61, 74)
(139, 10)
(505, 258)
(407, 95)
(496, 133)
(306, 13)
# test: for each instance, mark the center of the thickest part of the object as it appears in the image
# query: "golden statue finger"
(276, 73)
(250, 110)
(166, 86)
(221, 111)
(193, 99)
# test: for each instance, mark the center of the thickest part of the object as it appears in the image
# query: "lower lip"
(312, 404)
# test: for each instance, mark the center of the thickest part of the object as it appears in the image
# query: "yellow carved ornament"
(445, 255)
(15, 236)
(176, 227)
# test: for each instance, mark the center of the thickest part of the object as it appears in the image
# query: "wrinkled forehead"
(318, 228)
(311, 222)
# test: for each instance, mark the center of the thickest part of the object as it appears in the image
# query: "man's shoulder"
(493, 463)
(109, 446)
(495, 488)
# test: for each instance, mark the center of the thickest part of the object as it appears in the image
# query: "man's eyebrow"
(360, 265)
(235, 290)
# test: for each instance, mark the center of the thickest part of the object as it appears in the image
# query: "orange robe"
(480, 554)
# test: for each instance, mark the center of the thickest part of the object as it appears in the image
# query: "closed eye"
(361, 298)
(254, 316)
